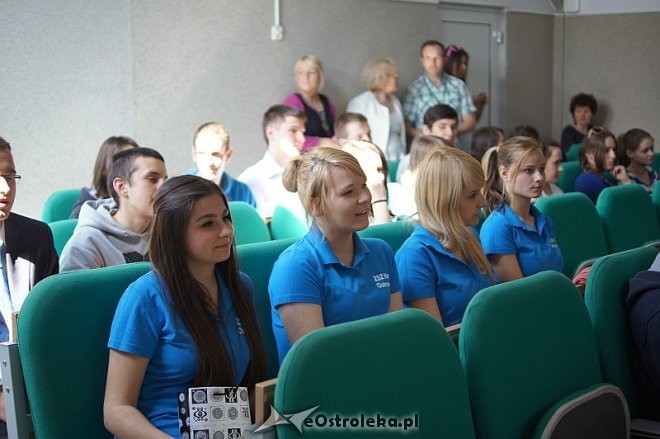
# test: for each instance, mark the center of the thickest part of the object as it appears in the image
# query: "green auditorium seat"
(62, 231)
(63, 333)
(605, 293)
(655, 197)
(567, 177)
(249, 227)
(527, 345)
(401, 364)
(284, 224)
(59, 204)
(256, 260)
(628, 216)
(394, 233)
(579, 230)
(574, 152)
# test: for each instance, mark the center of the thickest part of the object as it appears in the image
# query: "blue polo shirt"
(309, 272)
(233, 189)
(503, 233)
(428, 269)
(146, 325)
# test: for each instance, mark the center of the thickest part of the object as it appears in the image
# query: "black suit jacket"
(31, 255)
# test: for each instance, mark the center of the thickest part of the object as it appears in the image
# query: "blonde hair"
(510, 154)
(443, 177)
(421, 145)
(214, 128)
(316, 62)
(309, 175)
(376, 71)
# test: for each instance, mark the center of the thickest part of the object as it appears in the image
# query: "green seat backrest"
(249, 227)
(655, 197)
(567, 177)
(656, 161)
(62, 231)
(394, 233)
(574, 152)
(604, 295)
(63, 332)
(628, 216)
(256, 260)
(524, 345)
(59, 204)
(284, 224)
(396, 365)
(579, 230)
(392, 169)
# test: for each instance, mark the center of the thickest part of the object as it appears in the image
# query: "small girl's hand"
(619, 172)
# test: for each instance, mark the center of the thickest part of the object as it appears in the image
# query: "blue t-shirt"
(591, 184)
(503, 233)
(233, 189)
(146, 325)
(428, 269)
(309, 272)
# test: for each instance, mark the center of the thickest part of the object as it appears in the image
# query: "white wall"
(66, 86)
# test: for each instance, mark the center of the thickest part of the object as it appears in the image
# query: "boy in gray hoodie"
(115, 230)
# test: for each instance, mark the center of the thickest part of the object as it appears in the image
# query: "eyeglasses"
(11, 178)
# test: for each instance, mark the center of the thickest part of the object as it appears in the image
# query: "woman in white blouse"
(381, 107)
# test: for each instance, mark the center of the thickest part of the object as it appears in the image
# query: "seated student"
(518, 239)
(553, 167)
(27, 254)
(339, 277)
(643, 308)
(99, 188)
(352, 126)
(440, 120)
(402, 195)
(483, 139)
(442, 264)
(284, 131)
(190, 322)
(116, 231)
(598, 159)
(636, 154)
(525, 131)
(211, 153)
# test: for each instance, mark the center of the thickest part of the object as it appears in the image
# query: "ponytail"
(493, 190)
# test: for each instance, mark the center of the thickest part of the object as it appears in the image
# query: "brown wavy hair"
(174, 202)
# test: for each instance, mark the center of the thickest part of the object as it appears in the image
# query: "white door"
(479, 31)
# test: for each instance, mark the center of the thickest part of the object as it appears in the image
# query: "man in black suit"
(27, 252)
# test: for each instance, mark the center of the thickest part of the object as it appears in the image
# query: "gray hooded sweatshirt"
(98, 241)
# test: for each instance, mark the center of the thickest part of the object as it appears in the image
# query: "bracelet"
(378, 201)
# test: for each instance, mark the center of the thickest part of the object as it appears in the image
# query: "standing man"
(435, 87)
(284, 132)
(27, 254)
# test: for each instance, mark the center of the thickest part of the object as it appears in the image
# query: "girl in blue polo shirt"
(442, 264)
(330, 275)
(190, 322)
(518, 239)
